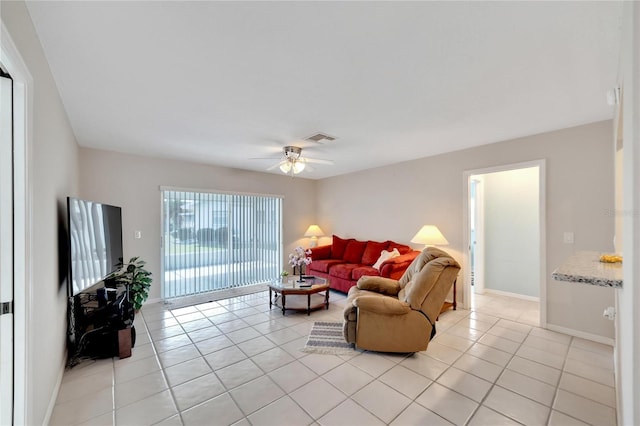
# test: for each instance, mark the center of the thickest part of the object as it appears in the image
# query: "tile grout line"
(495, 383)
(162, 370)
(265, 374)
(555, 393)
(449, 366)
(506, 365)
(295, 326)
(562, 373)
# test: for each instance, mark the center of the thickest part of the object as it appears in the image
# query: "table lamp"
(314, 232)
(430, 235)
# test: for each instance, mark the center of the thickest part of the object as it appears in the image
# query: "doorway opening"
(504, 233)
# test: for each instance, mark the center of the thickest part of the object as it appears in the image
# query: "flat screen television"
(95, 242)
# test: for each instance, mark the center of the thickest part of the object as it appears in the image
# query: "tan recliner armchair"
(388, 315)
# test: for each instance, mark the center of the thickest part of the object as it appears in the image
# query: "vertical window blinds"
(214, 241)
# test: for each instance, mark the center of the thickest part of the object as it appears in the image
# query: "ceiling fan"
(292, 162)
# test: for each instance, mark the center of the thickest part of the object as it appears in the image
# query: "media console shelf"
(100, 324)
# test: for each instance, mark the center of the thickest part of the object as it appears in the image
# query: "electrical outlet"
(137, 235)
(568, 238)
(609, 313)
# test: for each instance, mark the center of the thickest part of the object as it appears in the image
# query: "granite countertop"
(585, 267)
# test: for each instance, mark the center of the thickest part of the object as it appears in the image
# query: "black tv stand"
(100, 324)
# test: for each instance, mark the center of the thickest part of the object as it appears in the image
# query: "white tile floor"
(236, 362)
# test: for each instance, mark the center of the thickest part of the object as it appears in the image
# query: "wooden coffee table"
(279, 290)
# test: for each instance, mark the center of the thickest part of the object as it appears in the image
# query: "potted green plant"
(137, 279)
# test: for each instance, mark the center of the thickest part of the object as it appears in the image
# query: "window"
(214, 241)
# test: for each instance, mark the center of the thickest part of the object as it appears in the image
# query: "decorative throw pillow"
(401, 247)
(338, 247)
(372, 252)
(385, 255)
(354, 250)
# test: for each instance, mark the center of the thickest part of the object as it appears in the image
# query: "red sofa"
(346, 260)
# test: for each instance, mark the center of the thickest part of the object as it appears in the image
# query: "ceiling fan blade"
(266, 158)
(276, 165)
(319, 161)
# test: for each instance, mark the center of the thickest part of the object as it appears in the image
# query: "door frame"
(6, 248)
(542, 250)
(22, 137)
(478, 278)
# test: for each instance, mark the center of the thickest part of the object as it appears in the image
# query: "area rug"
(326, 338)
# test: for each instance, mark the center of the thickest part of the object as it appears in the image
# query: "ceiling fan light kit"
(292, 162)
(292, 166)
(292, 152)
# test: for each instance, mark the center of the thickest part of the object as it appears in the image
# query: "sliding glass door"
(214, 240)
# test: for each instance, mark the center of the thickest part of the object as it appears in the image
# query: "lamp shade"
(430, 235)
(292, 166)
(298, 166)
(314, 231)
(285, 167)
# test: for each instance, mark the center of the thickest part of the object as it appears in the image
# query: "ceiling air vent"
(320, 138)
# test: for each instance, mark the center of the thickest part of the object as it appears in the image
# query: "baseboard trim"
(514, 295)
(581, 334)
(56, 391)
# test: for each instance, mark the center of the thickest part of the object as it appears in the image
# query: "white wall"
(395, 201)
(133, 183)
(511, 230)
(53, 174)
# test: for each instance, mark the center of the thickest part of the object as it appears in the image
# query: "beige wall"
(393, 202)
(133, 183)
(53, 174)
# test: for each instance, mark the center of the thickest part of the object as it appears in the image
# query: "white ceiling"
(219, 83)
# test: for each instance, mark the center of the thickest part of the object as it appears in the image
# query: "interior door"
(6, 250)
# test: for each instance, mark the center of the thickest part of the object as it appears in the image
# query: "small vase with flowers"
(299, 259)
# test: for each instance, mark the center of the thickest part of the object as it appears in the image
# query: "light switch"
(137, 235)
(568, 237)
